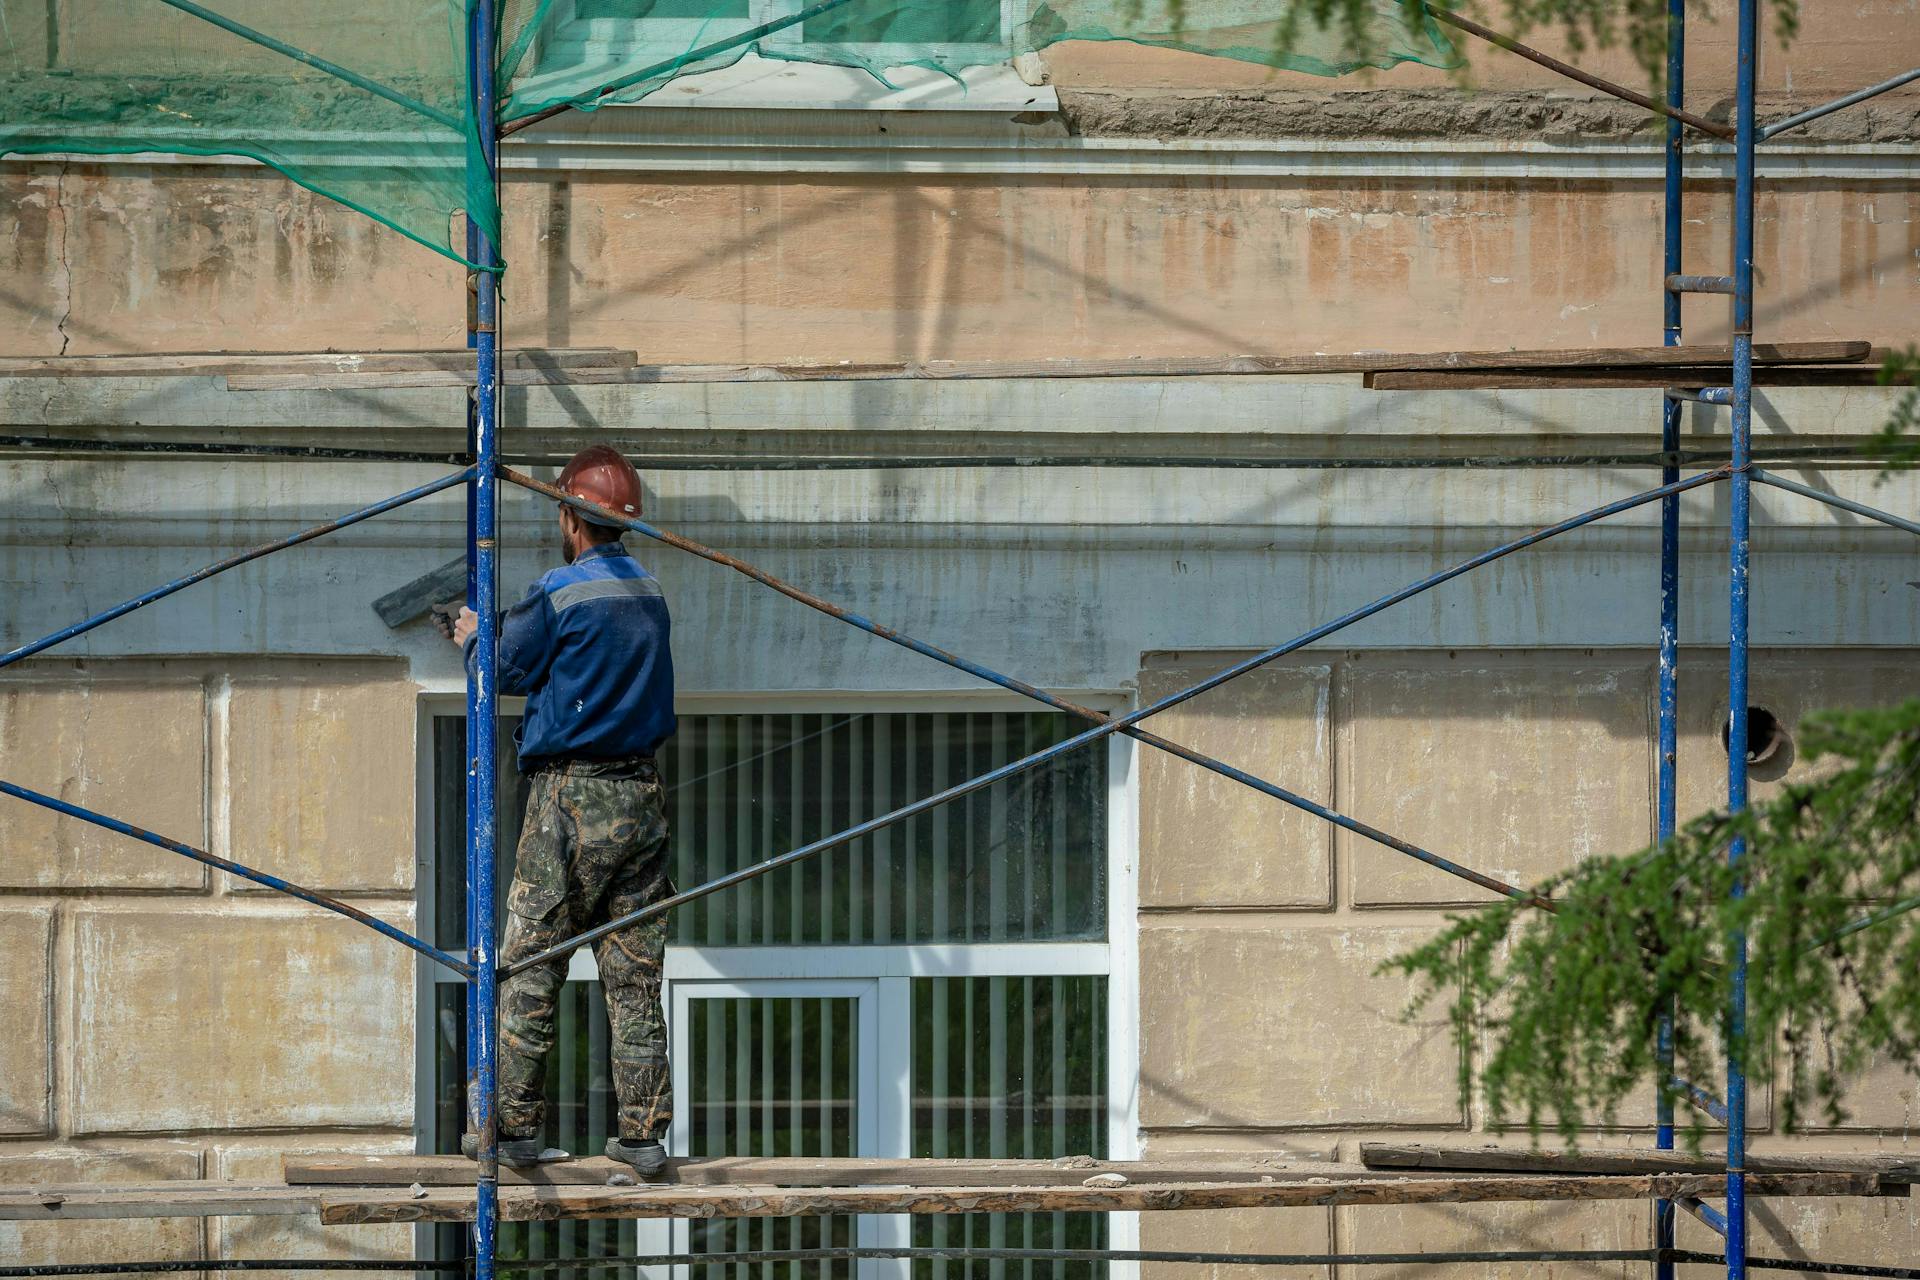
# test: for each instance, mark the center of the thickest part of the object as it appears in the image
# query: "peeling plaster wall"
(769, 268)
(126, 255)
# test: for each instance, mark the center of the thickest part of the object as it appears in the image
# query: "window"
(585, 41)
(880, 27)
(1020, 862)
(940, 988)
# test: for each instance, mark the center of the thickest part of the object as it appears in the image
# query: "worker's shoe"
(515, 1153)
(647, 1158)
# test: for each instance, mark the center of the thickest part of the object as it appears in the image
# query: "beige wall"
(135, 39)
(1264, 1025)
(775, 268)
(1841, 47)
(121, 256)
(166, 1021)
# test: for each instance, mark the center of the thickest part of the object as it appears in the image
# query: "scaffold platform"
(354, 1189)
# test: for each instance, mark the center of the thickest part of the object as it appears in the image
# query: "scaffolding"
(491, 1196)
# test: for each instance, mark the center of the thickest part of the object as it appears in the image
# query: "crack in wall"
(66, 262)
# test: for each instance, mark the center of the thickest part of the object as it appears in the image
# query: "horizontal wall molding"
(756, 141)
(754, 147)
(1251, 421)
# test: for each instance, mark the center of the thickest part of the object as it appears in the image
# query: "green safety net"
(585, 53)
(366, 101)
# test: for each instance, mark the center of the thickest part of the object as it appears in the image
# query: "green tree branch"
(1639, 26)
(1557, 1013)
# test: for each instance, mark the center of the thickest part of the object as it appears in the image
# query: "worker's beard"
(566, 548)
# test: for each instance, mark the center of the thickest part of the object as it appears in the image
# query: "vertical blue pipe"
(1663, 1210)
(482, 688)
(1742, 494)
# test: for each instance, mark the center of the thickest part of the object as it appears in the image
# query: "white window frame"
(889, 968)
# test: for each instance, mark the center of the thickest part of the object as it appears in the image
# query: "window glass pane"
(1021, 861)
(1009, 1068)
(773, 1077)
(898, 22)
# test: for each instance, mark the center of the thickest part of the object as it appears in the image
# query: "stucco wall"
(878, 258)
(1453, 746)
(1841, 46)
(1264, 1024)
(689, 268)
(169, 1021)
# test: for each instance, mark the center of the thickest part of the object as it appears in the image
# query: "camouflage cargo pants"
(594, 846)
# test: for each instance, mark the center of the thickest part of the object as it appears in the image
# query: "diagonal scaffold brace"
(1107, 725)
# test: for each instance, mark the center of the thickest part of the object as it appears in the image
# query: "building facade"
(1123, 956)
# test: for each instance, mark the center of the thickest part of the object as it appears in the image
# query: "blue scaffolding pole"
(483, 693)
(1732, 1224)
(1740, 508)
(1670, 411)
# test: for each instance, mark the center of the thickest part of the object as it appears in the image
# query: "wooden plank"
(154, 1200)
(348, 1204)
(1558, 379)
(1622, 1160)
(316, 363)
(454, 1171)
(939, 370)
(532, 1204)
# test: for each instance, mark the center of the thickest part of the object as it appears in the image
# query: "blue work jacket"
(589, 648)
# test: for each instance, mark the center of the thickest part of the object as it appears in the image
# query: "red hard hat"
(599, 474)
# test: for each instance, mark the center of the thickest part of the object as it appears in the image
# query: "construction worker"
(588, 648)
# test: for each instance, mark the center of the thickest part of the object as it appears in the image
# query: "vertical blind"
(1009, 1068)
(581, 1115)
(773, 1077)
(1021, 861)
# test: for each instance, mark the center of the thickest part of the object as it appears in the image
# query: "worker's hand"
(464, 626)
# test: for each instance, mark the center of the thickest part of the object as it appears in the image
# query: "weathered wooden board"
(938, 370)
(454, 1171)
(530, 1204)
(1573, 379)
(1622, 1160)
(353, 1204)
(154, 1200)
(311, 363)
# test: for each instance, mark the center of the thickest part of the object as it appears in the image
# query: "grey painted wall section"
(1062, 575)
(1230, 418)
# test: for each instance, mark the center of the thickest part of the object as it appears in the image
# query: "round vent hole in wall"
(1769, 745)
